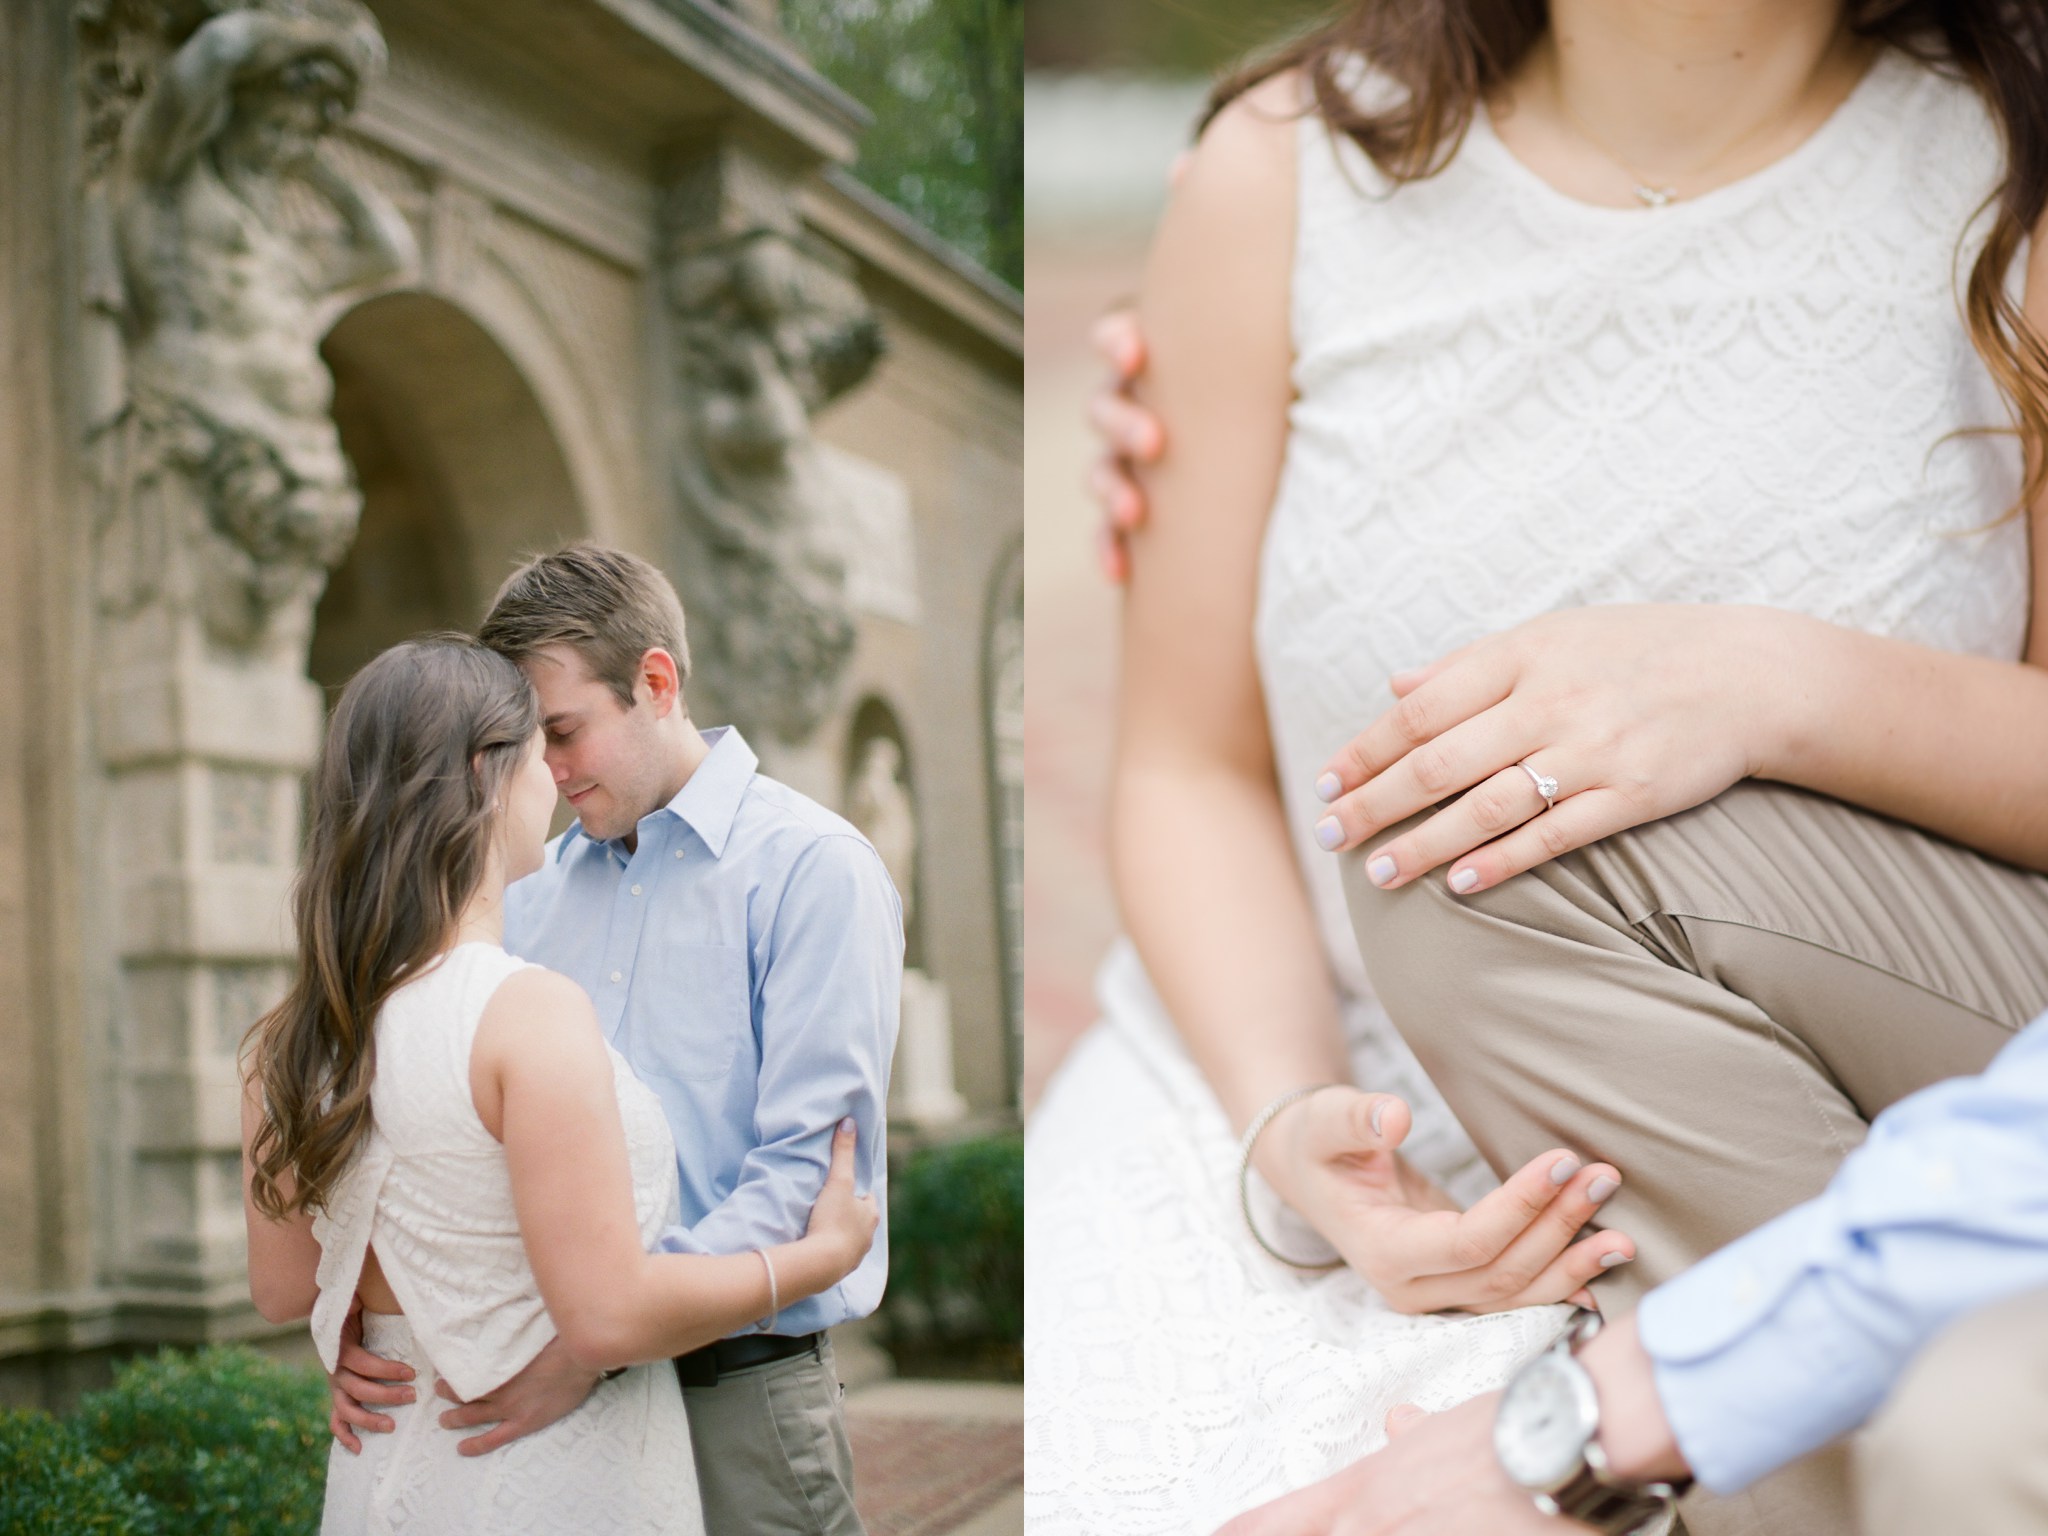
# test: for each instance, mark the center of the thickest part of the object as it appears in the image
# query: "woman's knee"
(1449, 968)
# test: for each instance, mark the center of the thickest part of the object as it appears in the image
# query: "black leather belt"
(703, 1367)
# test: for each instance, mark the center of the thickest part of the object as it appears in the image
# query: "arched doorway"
(461, 472)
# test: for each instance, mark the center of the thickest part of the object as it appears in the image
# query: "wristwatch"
(1547, 1435)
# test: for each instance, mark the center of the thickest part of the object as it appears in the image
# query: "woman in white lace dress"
(441, 1130)
(1549, 310)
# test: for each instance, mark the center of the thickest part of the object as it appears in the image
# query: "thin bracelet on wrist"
(774, 1296)
(1260, 1121)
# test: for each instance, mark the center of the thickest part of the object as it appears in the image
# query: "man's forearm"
(1634, 1431)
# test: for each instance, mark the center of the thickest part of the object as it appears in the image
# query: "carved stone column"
(766, 328)
(224, 500)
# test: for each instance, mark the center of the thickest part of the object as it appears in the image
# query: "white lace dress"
(430, 1189)
(1509, 402)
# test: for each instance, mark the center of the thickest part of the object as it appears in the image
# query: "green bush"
(956, 1251)
(51, 1481)
(220, 1443)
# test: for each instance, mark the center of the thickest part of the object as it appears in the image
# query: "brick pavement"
(937, 1458)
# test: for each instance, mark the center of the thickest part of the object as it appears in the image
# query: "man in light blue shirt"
(1918, 1281)
(744, 948)
(744, 953)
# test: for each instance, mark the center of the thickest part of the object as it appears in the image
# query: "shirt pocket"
(689, 1021)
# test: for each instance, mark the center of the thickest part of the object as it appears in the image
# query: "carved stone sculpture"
(222, 317)
(219, 243)
(878, 802)
(767, 333)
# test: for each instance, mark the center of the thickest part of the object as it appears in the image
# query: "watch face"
(1547, 1416)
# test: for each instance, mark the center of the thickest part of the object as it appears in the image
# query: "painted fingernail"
(1562, 1170)
(846, 1126)
(1611, 1260)
(1328, 787)
(1380, 870)
(1379, 1114)
(1463, 880)
(1601, 1188)
(1329, 833)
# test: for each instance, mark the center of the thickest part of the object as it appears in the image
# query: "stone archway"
(461, 471)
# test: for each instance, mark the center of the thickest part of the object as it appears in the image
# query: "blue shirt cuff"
(1757, 1355)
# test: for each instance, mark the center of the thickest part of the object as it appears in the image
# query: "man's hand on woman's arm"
(1133, 439)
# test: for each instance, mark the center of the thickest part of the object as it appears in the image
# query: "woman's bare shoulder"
(534, 1002)
(1229, 225)
(1247, 149)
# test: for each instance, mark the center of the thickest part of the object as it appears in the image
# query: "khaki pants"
(1717, 1003)
(772, 1456)
(1961, 1447)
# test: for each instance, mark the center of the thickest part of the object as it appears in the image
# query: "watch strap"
(1608, 1507)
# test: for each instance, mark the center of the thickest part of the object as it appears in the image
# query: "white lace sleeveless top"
(1511, 402)
(429, 1187)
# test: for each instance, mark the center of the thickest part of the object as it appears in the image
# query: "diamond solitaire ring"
(1546, 786)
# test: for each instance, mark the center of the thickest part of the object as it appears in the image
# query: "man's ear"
(658, 675)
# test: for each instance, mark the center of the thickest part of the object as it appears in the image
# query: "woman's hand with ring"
(1332, 1156)
(1636, 712)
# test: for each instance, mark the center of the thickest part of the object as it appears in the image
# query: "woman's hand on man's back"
(842, 1220)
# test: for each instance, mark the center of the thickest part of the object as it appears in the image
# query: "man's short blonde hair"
(610, 607)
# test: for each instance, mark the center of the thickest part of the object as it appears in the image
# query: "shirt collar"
(709, 801)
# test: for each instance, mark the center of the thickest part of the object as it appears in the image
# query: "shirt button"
(679, 853)
(618, 975)
(636, 890)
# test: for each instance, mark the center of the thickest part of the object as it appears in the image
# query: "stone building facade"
(321, 313)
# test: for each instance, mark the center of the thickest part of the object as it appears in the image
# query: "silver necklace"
(1652, 194)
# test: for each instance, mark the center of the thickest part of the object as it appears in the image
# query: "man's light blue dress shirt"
(747, 959)
(1794, 1335)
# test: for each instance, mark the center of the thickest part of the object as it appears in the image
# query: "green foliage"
(944, 79)
(50, 1481)
(1178, 37)
(956, 1249)
(220, 1443)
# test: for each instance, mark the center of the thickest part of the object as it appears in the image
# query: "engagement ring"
(1546, 786)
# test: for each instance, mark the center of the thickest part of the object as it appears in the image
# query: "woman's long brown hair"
(1447, 55)
(403, 807)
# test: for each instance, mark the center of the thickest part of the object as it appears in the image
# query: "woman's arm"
(283, 1258)
(1204, 870)
(1203, 867)
(543, 1085)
